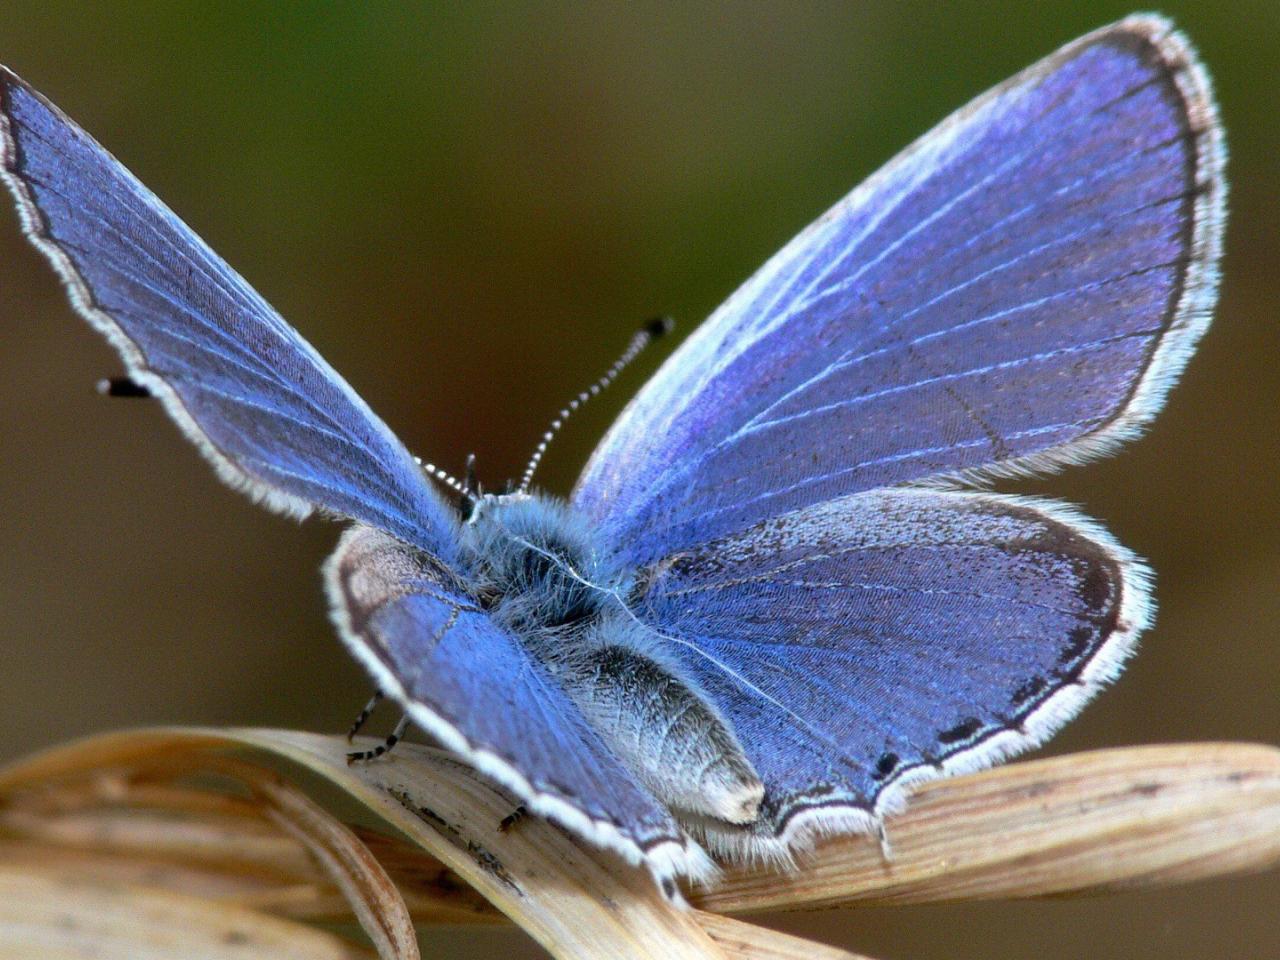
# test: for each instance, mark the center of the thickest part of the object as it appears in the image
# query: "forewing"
(273, 417)
(470, 684)
(1015, 291)
(890, 636)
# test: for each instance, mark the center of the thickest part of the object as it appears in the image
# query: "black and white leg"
(364, 714)
(512, 818)
(385, 747)
(886, 850)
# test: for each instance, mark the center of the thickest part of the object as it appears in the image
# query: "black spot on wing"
(961, 731)
(1078, 643)
(1028, 690)
(1098, 584)
(887, 763)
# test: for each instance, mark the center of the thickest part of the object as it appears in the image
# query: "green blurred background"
(468, 209)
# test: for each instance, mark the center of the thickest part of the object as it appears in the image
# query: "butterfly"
(782, 590)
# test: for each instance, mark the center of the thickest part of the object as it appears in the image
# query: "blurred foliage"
(468, 209)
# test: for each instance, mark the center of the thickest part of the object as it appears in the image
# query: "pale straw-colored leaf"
(373, 897)
(61, 918)
(112, 822)
(1085, 822)
(303, 901)
(576, 902)
(434, 893)
(194, 840)
(746, 941)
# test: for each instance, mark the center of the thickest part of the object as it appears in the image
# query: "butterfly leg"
(513, 818)
(886, 850)
(364, 715)
(385, 747)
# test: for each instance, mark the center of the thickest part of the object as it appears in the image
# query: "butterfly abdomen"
(669, 735)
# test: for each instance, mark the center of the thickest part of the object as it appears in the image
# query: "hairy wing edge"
(1197, 290)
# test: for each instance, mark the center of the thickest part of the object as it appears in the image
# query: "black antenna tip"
(652, 330)
(122, 387)
(470, 493)
(659, 326)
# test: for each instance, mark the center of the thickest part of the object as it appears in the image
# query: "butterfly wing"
(276, 420)
(270, 414)
(1016, 291)
(474, 687)
(865, 643)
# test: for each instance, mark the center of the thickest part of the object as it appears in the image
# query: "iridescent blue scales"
(775, 598)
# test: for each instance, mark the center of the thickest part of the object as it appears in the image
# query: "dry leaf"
(169, 813)
(1139, 816)
(56, 917)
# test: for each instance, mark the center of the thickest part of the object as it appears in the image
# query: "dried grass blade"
(300, 901)
(57, 918)
(373, 897)
(1086, 822)
(746, 941)
(577, 903)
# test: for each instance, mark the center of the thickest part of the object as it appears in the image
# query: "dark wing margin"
(1016, 291)
(274, 419)
(473, 686)
(866, 644)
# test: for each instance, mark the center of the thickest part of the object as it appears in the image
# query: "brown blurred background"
(468, 211)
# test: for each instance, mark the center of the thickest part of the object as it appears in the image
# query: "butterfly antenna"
(651, 331)
(470, 485)
(467, 489)
(448, 479)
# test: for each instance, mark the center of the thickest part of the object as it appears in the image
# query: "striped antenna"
(448, 479)
(651, 331)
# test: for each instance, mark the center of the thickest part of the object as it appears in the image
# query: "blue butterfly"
(780, 592)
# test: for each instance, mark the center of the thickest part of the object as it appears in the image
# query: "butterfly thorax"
(536, 566)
